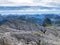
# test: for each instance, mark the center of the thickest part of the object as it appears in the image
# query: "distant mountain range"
(24, 7)
(36, 18)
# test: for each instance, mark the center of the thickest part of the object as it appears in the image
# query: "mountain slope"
(22, 32)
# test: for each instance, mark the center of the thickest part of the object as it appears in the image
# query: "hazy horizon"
(30, 6)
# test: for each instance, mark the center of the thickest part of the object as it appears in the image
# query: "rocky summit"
(18, 32)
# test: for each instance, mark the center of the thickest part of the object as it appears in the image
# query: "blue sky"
(46, 3)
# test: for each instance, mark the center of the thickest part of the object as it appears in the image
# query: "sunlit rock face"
(14, 40)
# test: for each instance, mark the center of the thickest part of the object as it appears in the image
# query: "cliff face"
(18, 32)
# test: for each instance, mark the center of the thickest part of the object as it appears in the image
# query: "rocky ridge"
(17, 32)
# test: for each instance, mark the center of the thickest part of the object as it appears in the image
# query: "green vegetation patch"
(36, 33)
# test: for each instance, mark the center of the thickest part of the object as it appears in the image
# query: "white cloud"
(15, 2)
(30, 2)
(21, 1)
